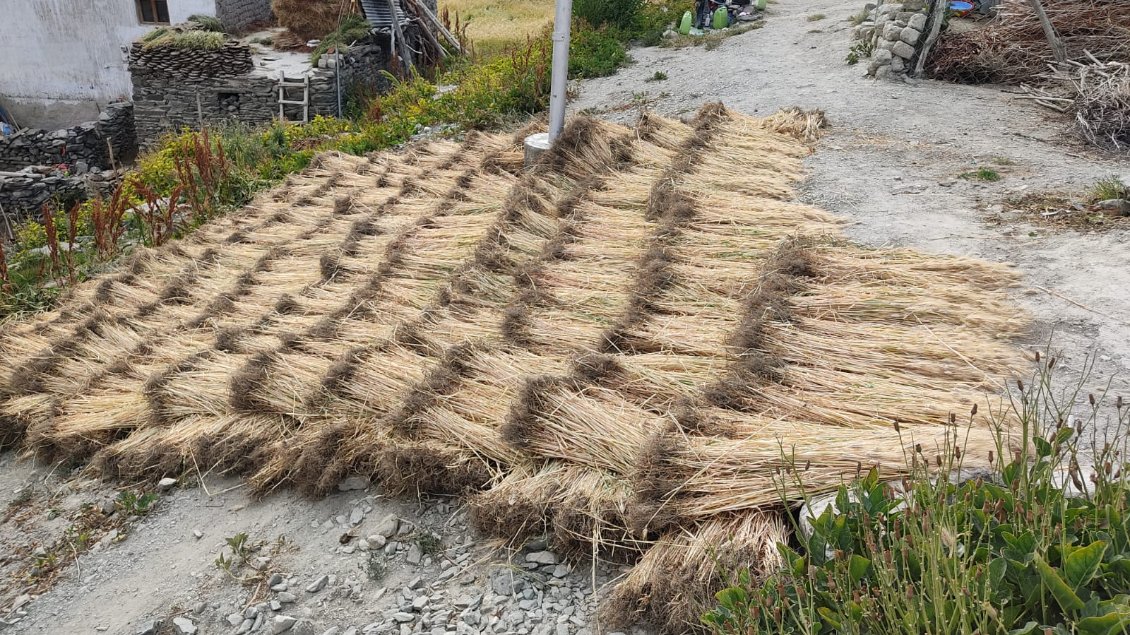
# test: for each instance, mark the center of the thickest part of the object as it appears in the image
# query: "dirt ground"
(889, 164)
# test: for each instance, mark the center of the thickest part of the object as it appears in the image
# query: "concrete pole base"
(536, 145)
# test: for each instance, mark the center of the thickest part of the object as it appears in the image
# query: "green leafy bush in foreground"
(1008, 552)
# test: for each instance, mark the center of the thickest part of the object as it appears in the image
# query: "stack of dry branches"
(1015, 48)
(1102, 101)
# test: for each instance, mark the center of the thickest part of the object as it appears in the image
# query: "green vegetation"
(1109, 188)
(859, 51)
(241, 550)
(351, 29)
(171, 37)
(1037, 545)
(621, 14)
(134, 504)
(374, 566)
(206, 23)
(658, 76)
(816, 17)
(597, 52)
(429, 543)
(988, 175)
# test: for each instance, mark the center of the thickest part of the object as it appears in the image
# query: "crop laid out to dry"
(625, 347)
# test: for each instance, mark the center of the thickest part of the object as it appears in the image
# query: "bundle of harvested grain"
(619, 346)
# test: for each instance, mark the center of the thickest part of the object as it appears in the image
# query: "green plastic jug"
(721, 18)
(761, 5)
(687, 23)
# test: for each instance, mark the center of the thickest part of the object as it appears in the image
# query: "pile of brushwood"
(1093, 85)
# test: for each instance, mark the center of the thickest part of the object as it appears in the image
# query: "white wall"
(179, 10)
(62, 60)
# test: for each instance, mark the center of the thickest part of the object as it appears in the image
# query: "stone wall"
(23, 193)
(172, 96)
(95, 144)
(239, 14)
(894, 32)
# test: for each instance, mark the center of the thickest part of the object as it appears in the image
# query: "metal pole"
(337, 78)
(559, 83)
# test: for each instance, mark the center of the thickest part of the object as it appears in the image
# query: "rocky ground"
(353, 562)
(76, 558)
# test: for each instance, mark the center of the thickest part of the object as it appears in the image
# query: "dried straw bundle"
(804, 125)
(432, 468)
(657, 382)
(555, 418)
(675, 582)
(319, 452)
(518, 507)
(590, 515)
(586, 147)
(683, 479)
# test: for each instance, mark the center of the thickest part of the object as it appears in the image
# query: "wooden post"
(402, 43)
(1058, 48)
(937, 16)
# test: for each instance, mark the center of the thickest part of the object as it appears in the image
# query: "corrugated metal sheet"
(377, 13)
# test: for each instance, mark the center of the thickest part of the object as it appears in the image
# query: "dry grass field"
(624, 347)
(494, 24)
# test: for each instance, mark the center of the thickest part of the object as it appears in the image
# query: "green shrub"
(621, 14)
(988, 175)
(206, 23)
(176, 38)
(596, 53)
(351, 29)
(1005, 553)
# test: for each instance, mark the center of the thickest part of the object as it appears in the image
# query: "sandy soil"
(889, 164)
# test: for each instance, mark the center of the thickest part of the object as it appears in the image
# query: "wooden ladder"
(304, 84)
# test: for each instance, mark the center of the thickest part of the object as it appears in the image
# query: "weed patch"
(1109, 188)
(987, 175)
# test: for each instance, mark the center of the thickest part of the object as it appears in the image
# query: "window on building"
(153, 11)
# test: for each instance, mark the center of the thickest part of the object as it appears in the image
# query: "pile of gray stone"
(230, 60)
(894, 32)
(24, 193)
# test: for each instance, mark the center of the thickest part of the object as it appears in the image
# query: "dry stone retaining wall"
(179, 91)
(94, 144)
(23, 193)
(239, 14)
(894, 32)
